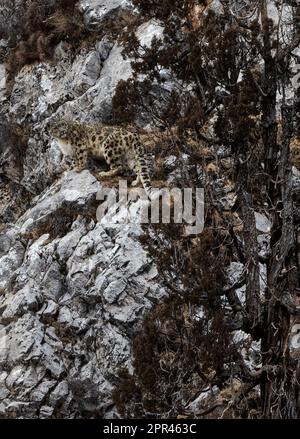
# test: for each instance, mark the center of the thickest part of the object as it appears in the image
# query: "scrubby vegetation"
(13, 145)
(173, 359)
(37, 26)
(42, 24)
(234, 66)
(220, 84)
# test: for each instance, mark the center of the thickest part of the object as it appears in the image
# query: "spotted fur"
(119, 147)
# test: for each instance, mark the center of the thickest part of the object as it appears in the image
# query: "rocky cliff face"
(73, 290)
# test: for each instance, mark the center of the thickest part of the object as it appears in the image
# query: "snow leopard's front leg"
(80, 158)
(113, 158)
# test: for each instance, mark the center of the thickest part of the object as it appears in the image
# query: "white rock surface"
(70, 304)
(95, 11)
(263, 224)
(81, 88)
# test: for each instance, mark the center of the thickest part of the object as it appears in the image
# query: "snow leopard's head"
(59, 129)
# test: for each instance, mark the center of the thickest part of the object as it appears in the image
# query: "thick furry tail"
(142, 171)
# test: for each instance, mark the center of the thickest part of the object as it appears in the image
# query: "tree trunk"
(280, 390)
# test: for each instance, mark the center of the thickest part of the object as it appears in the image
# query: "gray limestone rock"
(71, 303)
(73, 290)
(96, 11)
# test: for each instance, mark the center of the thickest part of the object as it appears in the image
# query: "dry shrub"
(14, 198)
(13, 145)
(46, 23)
(65, 25)
(60, 222)
(173, 358)
(126, 102)
(11, 20)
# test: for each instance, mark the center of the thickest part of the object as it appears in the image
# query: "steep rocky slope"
(73, 289)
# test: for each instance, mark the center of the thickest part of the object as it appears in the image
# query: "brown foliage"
(59, 223)
(295, 152)
(46, 23)
(13, 145)
(173, 359)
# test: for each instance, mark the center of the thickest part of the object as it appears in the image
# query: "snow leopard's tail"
(142, 169)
